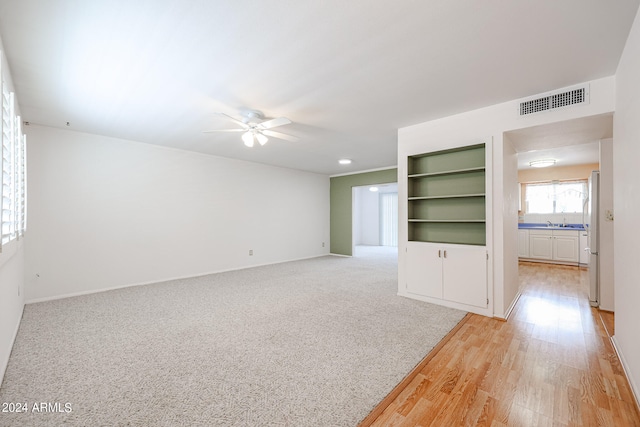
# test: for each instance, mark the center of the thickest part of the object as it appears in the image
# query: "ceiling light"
(261, 138)
(374, 189)
(344, 161)
(247, 137)
(542, 163)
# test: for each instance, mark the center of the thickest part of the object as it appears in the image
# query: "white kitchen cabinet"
(540, 244)
(566, 246)
(554, 245)
(456, 273)
(523, 243)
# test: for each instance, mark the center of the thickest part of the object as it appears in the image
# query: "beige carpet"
(308, 343)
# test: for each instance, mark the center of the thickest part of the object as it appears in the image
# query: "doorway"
(375, 218)
(577, 146)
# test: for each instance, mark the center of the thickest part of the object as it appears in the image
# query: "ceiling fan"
(255, 128)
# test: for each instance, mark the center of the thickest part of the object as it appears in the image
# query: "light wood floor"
(550, 364)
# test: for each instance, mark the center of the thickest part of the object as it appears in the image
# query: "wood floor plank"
(550, 364)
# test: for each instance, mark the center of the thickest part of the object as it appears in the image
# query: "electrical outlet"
(250, 252)
(608, 215)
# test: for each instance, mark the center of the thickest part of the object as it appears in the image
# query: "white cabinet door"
(540, 244)
(523, 243)
(465, 274)
(424, 269)
(565, 246)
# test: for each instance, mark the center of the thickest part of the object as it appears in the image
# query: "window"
(556, 197)
(13, 178)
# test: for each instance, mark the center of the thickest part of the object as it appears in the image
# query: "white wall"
(626, 193)
(11, 298)
(489, 124)
(510, 198)
(105, 213)
(606, 243)
(11, 272)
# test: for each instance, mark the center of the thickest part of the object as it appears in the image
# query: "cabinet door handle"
(445, 253)
(439, 253)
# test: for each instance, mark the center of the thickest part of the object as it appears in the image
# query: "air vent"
(565, 98)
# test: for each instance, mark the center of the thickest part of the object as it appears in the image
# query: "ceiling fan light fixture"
(247, 137)
(542, 163)
(255, 128)
(261, 138)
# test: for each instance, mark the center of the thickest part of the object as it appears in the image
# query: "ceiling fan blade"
(224, 130)
(274, 122)
(241, 123)
(281, 135)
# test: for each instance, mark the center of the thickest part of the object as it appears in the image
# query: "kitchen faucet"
(549, 224)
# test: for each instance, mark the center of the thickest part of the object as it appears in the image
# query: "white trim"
(5, 363)
(364, 171)
(341, 255)
(634, 387)
(131, 285)
(511, 307)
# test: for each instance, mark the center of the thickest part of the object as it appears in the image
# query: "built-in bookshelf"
(446, 196)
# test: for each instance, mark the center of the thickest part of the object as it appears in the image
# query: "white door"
(465, 274)
(565, 248)
(424, 269)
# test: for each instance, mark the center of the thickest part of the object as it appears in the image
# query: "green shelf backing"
(447, 160)
(456, 233)
(447, 185)
(445, 177)
(448, 209)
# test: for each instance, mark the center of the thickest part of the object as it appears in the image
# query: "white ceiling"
(572, 142)
(347, 73)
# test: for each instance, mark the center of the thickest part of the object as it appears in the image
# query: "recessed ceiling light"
(344, 161)
(374, 189)
(542, 163)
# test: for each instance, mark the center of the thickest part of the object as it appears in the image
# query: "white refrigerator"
(592, 224)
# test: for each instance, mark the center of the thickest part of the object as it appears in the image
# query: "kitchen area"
(565, 206)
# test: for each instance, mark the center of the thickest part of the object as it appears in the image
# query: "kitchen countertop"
(538, 226)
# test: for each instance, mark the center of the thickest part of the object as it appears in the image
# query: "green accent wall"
(341, 215)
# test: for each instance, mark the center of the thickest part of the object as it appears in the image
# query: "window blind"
(13, 200)
(7, 166)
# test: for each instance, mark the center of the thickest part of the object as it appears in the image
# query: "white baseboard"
(451, 304)
(634, 387)
(130, 285)
(5, 363)
(511, 307)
